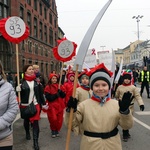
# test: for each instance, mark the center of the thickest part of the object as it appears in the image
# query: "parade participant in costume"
(69, 85)
(83, 92)
(31, 90)
(55, 99)
(129, 86)
(8, 111)
(101, 115)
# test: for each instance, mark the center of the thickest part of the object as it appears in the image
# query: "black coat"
(38, 92)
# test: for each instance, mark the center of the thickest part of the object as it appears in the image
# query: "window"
(50, 18)
(41, 31)
(40, 9)
(45, 33)
(36, 49)
(22, 45)
(41, 50)
(55, 23)
(29, 22)
(45, 13)
(5, 12)
(29, 2)
(6, 2)
(29, 46)
(1, 11)
(35, 27)
(51, 36)
(35, 4)
(21, 12)
(46, 52)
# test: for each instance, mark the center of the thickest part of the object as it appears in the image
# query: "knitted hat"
(127, 76)
(100, 72)
(100, 76)
(69, 74)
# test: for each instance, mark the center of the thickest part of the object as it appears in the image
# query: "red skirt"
(37, 115)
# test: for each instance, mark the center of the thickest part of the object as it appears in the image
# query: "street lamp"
(137, 20)
(138, 35)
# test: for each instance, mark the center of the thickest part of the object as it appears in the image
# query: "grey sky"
(116, 29)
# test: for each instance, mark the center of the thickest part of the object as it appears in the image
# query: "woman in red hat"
(55, 99)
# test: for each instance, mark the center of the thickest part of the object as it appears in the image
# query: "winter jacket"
(38, 92)
(99, 119)
(8, 108)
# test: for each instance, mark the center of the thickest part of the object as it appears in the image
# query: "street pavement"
(140, 133)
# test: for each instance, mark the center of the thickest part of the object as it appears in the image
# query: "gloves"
(125, 102)
(61, 93)
(18, 89)
(72, 103)
(142, 107)
(45, 107)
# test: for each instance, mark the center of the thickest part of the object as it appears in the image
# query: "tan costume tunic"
(122, 89)
(82, 94)
(97, 118)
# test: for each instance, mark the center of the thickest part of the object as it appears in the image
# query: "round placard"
(65, 49)
(15, 27)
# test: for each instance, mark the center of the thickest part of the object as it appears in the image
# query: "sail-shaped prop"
(88, 37)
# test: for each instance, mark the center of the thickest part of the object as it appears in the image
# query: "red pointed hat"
(84, 72)
(52, 74)
(69, 74)
(100, 72)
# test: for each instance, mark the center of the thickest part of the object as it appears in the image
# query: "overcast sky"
(115, 30)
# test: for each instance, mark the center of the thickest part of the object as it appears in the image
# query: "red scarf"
(29, 77)
(98, 100)
(85, 88)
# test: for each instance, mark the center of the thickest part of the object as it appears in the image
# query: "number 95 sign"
(65, 50)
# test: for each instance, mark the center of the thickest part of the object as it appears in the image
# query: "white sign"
(90, 59)
(15, 27)
(106, 58)
(65, 49)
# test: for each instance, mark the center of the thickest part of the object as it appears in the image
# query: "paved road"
(140, 134)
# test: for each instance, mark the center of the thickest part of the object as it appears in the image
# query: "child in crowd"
(55, 100)
(128, 86)
(100, 115)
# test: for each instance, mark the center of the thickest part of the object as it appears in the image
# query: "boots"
(27, 129)
(126, 135)
(35, 138)
(28, 137)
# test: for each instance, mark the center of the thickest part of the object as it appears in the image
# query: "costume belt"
(105, 135)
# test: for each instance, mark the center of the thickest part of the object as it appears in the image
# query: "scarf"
(99, 99)
(29, 77)
(85, 87)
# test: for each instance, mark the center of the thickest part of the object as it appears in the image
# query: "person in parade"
(8, 111)
(55, 99)
(69, 85)
(129, 86)
(144, 79)
(83, 92)
(39, 76)
(31, 90)
(101, 115)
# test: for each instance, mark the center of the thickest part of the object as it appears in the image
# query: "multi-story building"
(42, 19)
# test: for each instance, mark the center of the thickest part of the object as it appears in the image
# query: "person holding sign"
(100, 115)
(31, 91)
(8, 111)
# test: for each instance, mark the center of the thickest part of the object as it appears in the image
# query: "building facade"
(42, 19)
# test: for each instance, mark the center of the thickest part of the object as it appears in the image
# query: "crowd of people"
(92, 97)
